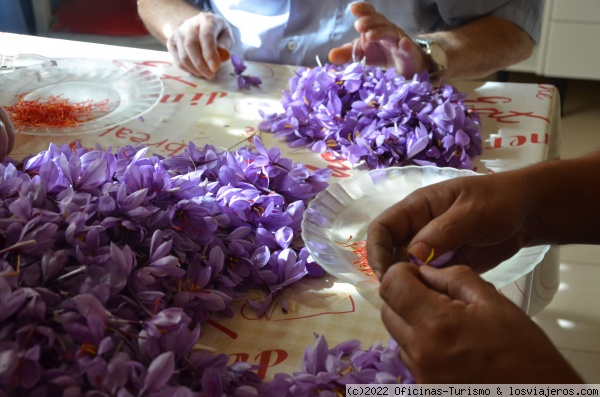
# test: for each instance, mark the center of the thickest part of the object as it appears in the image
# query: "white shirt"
(295, 32)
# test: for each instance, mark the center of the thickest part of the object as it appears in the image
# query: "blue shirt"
(12, 19)
(295, 32)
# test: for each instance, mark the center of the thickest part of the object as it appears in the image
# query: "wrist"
(434, 55)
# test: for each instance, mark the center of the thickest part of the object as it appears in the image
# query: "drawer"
(573, 50)
(576, 10)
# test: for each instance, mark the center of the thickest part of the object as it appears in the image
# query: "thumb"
(361, 9)
(458, 282)
(342, 54)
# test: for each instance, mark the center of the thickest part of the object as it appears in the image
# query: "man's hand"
(453, 327)
(7, 134)
(481, 218)
(200, 44)
(381, 42)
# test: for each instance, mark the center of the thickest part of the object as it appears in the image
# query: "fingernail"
(377, 274)
(420, 253)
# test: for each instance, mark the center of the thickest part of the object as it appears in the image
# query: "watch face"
(438, 55)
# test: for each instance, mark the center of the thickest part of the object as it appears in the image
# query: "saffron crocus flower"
(243, 81)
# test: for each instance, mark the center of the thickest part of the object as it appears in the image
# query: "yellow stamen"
(430, 257)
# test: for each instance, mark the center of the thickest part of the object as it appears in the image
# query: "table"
(520, 126)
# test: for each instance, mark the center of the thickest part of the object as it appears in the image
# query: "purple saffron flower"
(243, 81)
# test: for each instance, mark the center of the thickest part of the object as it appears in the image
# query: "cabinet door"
(573, 50)
(576, 10)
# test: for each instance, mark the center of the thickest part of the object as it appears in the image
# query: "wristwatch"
(434, 52)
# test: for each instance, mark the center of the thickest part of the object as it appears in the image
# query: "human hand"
(454, 327)
(381, 43)
(200, 44)
(7, 134)
(483, 219)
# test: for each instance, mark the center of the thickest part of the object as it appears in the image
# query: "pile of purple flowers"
(376, 118)
(111, 262)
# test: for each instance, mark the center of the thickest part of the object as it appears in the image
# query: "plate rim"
(104, 65)
(538, 251)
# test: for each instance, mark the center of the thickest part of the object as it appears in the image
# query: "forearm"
(163, 17)
(565, 196)
(482, 47)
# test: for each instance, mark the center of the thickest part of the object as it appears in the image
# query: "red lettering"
(545, 91)
(489, 99)
(165, 98)
(179, 79)
(240, 357)
(535, 138)
(335, 173)
(123, 132)
(513, 114)
(107, 131)
(153, 64)
(196, 98)
(497, 143)
(173, 148)
(507, 117)
(327, 156)
(209, 101)
(214, 95)
(264, 360)
(145, 138)
(227, 331)
(518, 140)
(158, 144)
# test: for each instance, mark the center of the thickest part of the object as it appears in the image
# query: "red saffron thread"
(359, 248)
(53, 112)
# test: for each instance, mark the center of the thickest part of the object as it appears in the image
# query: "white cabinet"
(569, 41)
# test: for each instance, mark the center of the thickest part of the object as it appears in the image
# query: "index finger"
(214, 39)
(389, 234)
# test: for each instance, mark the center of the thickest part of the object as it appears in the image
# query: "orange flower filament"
(359, 248)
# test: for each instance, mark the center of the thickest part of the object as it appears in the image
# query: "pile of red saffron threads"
(54, 112)
(360, 249)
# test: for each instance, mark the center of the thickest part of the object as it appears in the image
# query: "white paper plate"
(131, 91)
(347, 208)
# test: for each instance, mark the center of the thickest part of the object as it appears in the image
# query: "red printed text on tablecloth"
(497, 142)
(339, 166)
(132, 137)
(484, 107)
(265, 359)
(194, 98)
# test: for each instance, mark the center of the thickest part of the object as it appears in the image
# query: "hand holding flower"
(200, 44)
(482, 218)
(381, 42)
